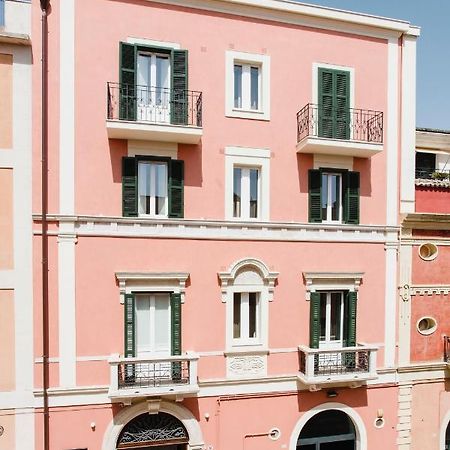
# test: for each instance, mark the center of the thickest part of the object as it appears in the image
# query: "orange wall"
(432, 200)
(6, 215)
(7, 341)
(6, 65)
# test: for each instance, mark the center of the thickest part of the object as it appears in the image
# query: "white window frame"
(153, 188)
(245, 192)
(250, 158)
(247, 60)
(329, 190)
(246, 86)
(244, 316)
(328, 343)
(244, 276)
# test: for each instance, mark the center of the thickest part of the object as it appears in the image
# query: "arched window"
(161, 430)
(328, 430)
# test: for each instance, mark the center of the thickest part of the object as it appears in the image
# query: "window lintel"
(317, 281)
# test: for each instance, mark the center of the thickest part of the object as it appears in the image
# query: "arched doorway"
(447, 438)
(160, 431)
(328, 430)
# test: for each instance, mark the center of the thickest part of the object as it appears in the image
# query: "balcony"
(159, 376)
(433, 175)
(344, 366)
(333, 131)
(154, 114)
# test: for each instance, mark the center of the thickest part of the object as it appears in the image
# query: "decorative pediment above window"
(152, 281)
(326, 281)
(248, 272)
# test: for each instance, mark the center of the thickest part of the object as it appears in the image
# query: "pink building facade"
(227, 181)
(424, 326)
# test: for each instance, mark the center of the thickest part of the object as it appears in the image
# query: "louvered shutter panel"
(175, 311)
(129, 337)
(325, 103)
(351, 198)
(179, 111)
(314, 322)
(176, 188)
(315, 195)
(350, 338)
(341, 103)
(127, 79)
(129, 187)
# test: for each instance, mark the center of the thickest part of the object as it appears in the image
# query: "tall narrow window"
(246, 192)
(331, 197)
(246, 316)
(331, 319)
(152, 192)
(247, 86)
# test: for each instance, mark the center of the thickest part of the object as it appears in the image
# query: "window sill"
(248, 114)
(243, 350)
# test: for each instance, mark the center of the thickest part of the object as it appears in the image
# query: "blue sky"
(433, 50)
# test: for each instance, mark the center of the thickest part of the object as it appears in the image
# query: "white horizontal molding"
(436, 289)
(153, 43)
(318, 281)
(224, 230)
(154, 281)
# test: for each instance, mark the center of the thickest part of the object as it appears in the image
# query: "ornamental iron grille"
(152, 428)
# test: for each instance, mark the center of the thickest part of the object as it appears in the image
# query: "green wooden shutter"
(351, 197)
(314, 322)
(180, 100)
(350, 318)
(129, 187)
(127, 80)
(175, 311)
(334, 104)
(176, 188)
(341, 87)
(315, 195)
(129, 321)
(325, 95)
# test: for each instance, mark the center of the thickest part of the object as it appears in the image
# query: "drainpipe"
(45, 8)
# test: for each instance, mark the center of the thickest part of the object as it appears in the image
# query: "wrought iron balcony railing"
(153, 376)
(346, 124)
(154, 105)
(426, 173)
(347, 364)
(447, 349)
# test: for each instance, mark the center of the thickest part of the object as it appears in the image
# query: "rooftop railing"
(335, 123)
(426, 173)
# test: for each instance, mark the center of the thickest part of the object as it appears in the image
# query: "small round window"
(428, 251)
(426, 325)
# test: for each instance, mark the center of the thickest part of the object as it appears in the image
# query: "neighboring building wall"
(16, 301)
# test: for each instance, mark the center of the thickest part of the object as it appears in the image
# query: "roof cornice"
(293, 12)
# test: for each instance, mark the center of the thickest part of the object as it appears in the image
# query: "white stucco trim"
(392, 134)
(325, 281)
(127, 414)
(251, 157)
(332, 161)
(263, 61)
(404, 307)
(408, 125)
(361, 434)
(24, 420)
(66, 244)
(153, 43)
(390, 304)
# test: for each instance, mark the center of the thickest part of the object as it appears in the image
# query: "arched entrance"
(447, 438)
(328, 430)
(160, 431)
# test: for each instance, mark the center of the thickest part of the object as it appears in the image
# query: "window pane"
(237, 86)
(237, 182)
(254, 193)
(252, 312)
(323, 315)
(237, 315)
(162, 323)
(335, 332)
(324, 196)
(162, 80)
(143, 323)
(335, 196)
(160, 188)
(144, 187)
(254, 87)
